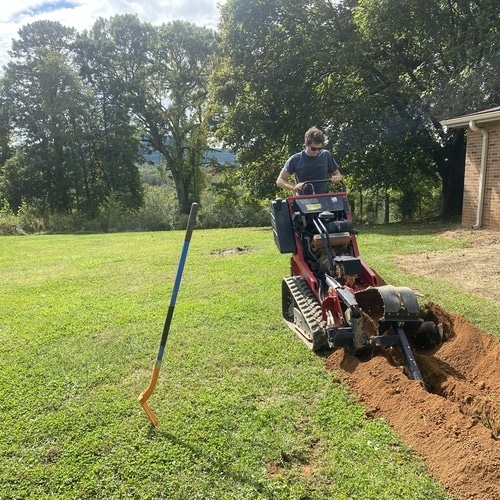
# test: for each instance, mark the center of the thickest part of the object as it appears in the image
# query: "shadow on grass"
(219, 466)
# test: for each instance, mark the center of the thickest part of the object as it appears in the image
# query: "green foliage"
(245, 410)
(242, 213)
(159, 76)
(377, 75)
(72, 150)
(160, 212)
(74, 105)
(9, 223)
(228, 204)
(264, 86)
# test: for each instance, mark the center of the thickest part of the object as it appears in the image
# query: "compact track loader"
(332, 298)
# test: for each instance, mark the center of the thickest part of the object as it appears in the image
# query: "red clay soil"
(454, 425)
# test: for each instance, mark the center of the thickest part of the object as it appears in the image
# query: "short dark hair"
(314, 135)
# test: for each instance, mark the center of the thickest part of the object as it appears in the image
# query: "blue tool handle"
(180, 269)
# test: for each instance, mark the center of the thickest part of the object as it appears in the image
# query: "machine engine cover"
(350, 265)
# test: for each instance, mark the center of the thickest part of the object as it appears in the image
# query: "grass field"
(245, 410)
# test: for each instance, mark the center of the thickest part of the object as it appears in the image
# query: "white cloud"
(81, 14)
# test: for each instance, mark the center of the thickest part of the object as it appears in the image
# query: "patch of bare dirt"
(454, 425)
(230, 251)
(476, 268)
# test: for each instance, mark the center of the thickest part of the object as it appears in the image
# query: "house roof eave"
(489, 115)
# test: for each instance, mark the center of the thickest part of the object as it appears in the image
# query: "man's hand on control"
(337, 177)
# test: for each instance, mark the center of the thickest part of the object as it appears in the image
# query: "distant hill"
(219, 155)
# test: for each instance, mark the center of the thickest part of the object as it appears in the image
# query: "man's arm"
(283, 182)
(334, 169)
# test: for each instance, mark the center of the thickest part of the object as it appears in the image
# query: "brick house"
(481, 205)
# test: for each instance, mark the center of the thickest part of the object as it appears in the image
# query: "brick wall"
(491, 206)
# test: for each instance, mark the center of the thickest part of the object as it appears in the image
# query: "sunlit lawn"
(244, 409)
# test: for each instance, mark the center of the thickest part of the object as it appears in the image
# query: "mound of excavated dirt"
(455, 426)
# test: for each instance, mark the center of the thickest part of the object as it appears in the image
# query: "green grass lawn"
(245, 410)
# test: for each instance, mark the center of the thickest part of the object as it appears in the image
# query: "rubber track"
(307, 304)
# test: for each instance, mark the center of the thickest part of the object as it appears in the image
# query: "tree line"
(77, 109)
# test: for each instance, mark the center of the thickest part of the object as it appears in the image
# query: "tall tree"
(427, 60)
(108, 58)
(42, 93)
(160, 75)
(266, 86)
(63, 161)
(173, 106)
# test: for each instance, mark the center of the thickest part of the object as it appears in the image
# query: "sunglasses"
(315, 149)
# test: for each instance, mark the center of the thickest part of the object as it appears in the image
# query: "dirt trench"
(455, 425)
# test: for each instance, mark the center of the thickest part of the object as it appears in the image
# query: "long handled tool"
(144, 396)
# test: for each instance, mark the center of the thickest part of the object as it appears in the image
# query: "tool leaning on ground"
(144, 396)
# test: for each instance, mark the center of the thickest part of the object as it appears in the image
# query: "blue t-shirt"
(312, 168)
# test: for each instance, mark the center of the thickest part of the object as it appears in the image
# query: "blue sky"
(44, 8)
(81, 14)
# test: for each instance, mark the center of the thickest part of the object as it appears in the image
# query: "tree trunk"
(173, 160)
(387, 209)
(180, 189)
(360, 204)
(451, 168)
